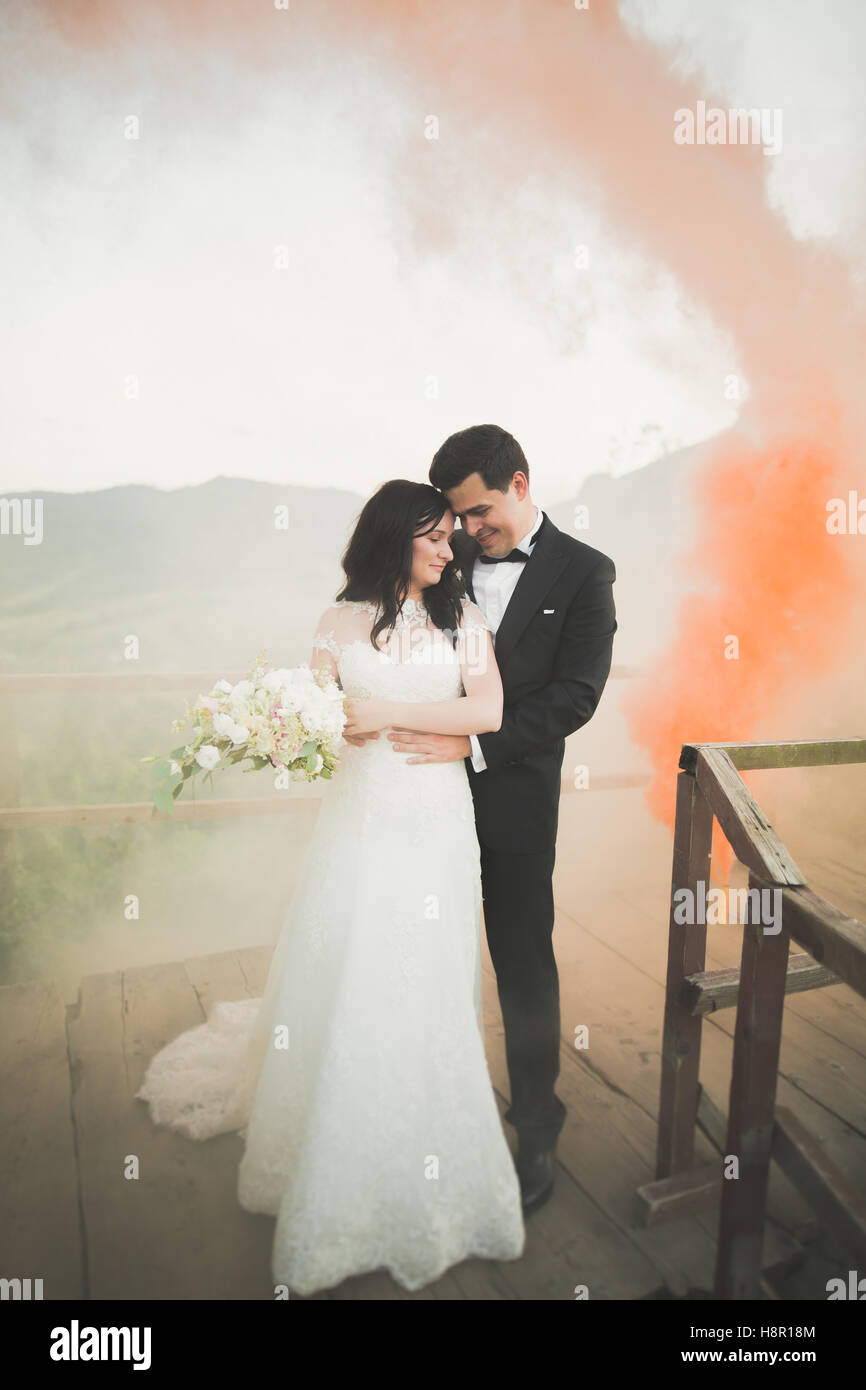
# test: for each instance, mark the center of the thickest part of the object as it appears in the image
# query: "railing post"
(681, 1037)
(757, 1042)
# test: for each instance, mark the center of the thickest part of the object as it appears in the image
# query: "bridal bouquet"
(291, 717)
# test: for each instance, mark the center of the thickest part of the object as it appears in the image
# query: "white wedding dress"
(360, 1081)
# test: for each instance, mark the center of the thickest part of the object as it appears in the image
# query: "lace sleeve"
(325, 641)
(326, 648)
(473, 619)
(472, 640)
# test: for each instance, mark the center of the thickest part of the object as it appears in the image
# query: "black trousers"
(518, 916)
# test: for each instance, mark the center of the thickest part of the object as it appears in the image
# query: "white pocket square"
(549, 610)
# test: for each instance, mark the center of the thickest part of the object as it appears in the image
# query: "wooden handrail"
(750, 834)
(837, 942)
(134, 812)
(746, 757)
(710, 788)
(136, 682)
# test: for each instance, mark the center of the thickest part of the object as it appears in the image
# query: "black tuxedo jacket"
(554, 666)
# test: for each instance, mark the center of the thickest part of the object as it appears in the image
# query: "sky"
(242, 290)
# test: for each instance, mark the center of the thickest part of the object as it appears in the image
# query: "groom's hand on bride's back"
(431, 748)
(359, 739)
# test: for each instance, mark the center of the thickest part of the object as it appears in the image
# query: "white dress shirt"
(493, 586)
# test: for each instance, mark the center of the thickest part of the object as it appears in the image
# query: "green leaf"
(163, 801)
(308, 748)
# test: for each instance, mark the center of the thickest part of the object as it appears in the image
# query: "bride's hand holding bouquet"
(289, 717)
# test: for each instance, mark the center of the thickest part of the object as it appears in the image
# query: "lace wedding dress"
(360, 1082)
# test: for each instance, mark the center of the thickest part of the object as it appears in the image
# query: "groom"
(549, 602)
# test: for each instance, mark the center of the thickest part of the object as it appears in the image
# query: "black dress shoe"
(535, 1172)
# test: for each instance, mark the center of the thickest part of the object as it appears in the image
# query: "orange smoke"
(574, 89)
(765, 612)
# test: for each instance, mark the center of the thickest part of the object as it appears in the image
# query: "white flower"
(173, 767)
(207, 756)
(221, 688)
(242, 690)
(226, 726)
(320, 763)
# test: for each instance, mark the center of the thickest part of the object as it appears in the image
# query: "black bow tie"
(520, 555)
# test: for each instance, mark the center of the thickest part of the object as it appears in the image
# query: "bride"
(359, 1081)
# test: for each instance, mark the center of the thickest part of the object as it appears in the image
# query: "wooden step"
(39, 1213)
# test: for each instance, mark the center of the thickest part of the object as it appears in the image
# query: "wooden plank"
(840, 1205)
(757, 1043)
(101, 1097)
(821, 1079)
(609, 1138)
(135, 812)
(180, 1217)
(137, 682)
(684, 1194)
(824, 1039)
(622, 1008)
(254, 962)
(834, 940)
(750, 834)
(594, 883)
(822, 752)
(712, 1120)
(218, 977)
(195, 1238)
(835, 1014)
(711, 990)
(15, 818)
(39, 1213)
(614, 934)
(681, 1039)
(576, 1239)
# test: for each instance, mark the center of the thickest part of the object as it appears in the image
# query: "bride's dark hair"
(378, 559)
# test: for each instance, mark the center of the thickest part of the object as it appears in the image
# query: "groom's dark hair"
(484, 449)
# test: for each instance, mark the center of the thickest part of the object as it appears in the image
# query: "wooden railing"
(756, 1130)
(14, 817)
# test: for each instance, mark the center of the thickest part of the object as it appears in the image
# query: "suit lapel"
(544, 566)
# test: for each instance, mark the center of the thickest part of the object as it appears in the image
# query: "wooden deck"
(68, 1214)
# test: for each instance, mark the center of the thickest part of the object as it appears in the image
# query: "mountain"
(200, 575)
